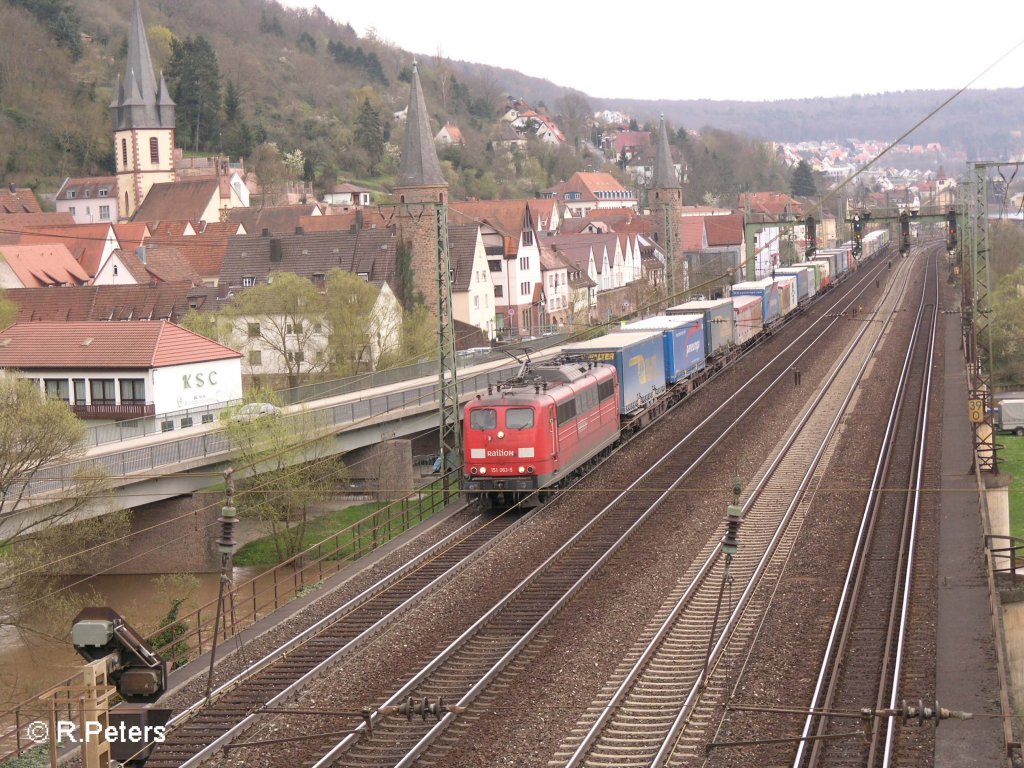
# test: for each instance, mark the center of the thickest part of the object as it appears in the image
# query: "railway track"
(235, 707)
(472, 662)
(664, 693)
(864, 659)
(209, 724)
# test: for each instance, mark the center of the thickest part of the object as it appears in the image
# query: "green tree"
(284, 319)
(194, 78)
(369, 135)
(802, 184)
(37, 432)
(356, 333)
(271, 172)
(209, 324)
(236, 136)
(285, 471)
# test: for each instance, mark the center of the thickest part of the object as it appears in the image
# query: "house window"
(79, 391)
(58, 388)
(133, 392)
(248, 281)
(365, 276)
(104, 213)
(499, 291)
(124, 154)
(72, 194)
(476, 302)
(255, 358)
(524, 288)
(295, 356)
(104, 192)
(154, 150)
(253, 330)
(319, 278)
(528, 237)
(115, 270)
(71, 210)
(102, 391)
(296, 328)
(524, 263)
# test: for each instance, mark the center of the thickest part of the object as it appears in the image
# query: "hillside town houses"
(167, 238)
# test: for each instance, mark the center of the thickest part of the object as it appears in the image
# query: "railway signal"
(951, 230)
(858, 234)
(811, 235)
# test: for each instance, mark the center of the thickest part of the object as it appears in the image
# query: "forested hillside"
(246, 72)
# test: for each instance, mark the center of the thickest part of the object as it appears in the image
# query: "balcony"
(116, 412)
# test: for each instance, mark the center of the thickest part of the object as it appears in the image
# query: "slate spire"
(419, 167)
(139, 101)
(664, 169)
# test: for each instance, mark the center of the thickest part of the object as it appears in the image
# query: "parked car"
(255, 411)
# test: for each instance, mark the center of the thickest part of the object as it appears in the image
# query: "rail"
(190, 636)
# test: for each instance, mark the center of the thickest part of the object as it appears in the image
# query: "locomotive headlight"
(522, 470)
(501, 433)
(473, 471)
(530, 470)
(483, 470)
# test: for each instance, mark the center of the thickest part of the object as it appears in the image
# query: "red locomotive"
(531, 432)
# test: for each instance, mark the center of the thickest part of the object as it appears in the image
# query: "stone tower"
(142, 113)
(419, 186)
(666, 202)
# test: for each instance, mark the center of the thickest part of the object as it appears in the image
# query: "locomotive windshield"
(483, 418)
(519, 418)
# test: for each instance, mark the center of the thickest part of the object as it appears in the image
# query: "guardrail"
(1006, 559)
(246, 603)
(59, 479)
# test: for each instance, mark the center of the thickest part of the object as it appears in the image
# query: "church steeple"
(419, 173)
(665, 198)
(664, 169)
(143, 116)
(139, 101)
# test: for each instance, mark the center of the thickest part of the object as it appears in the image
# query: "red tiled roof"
(153, 301)
(12, 225)
(130, 236)
(85, 242)
(132, 344)
(178, 200)
(507, 216)
(724, 230)
(163, 264)
(692, 228)
(92, 187)
(17, 200)
(39, 266)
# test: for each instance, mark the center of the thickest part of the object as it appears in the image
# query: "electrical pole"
(448, 382)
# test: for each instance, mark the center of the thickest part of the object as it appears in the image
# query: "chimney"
(12, 187)
(359, 219)
(266, 232)
(275, 249)
(140, 252)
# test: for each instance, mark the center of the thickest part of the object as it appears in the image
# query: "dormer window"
(71, 194)
(104, 192)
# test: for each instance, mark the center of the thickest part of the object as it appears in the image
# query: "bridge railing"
(57, 480)
(247, 602)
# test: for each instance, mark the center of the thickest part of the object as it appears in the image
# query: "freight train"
(531, 434)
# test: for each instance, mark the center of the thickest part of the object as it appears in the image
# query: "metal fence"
(247, 602)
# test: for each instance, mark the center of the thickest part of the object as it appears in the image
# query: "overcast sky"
(713, 49)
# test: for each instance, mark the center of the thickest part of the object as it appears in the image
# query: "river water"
(29, 663)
